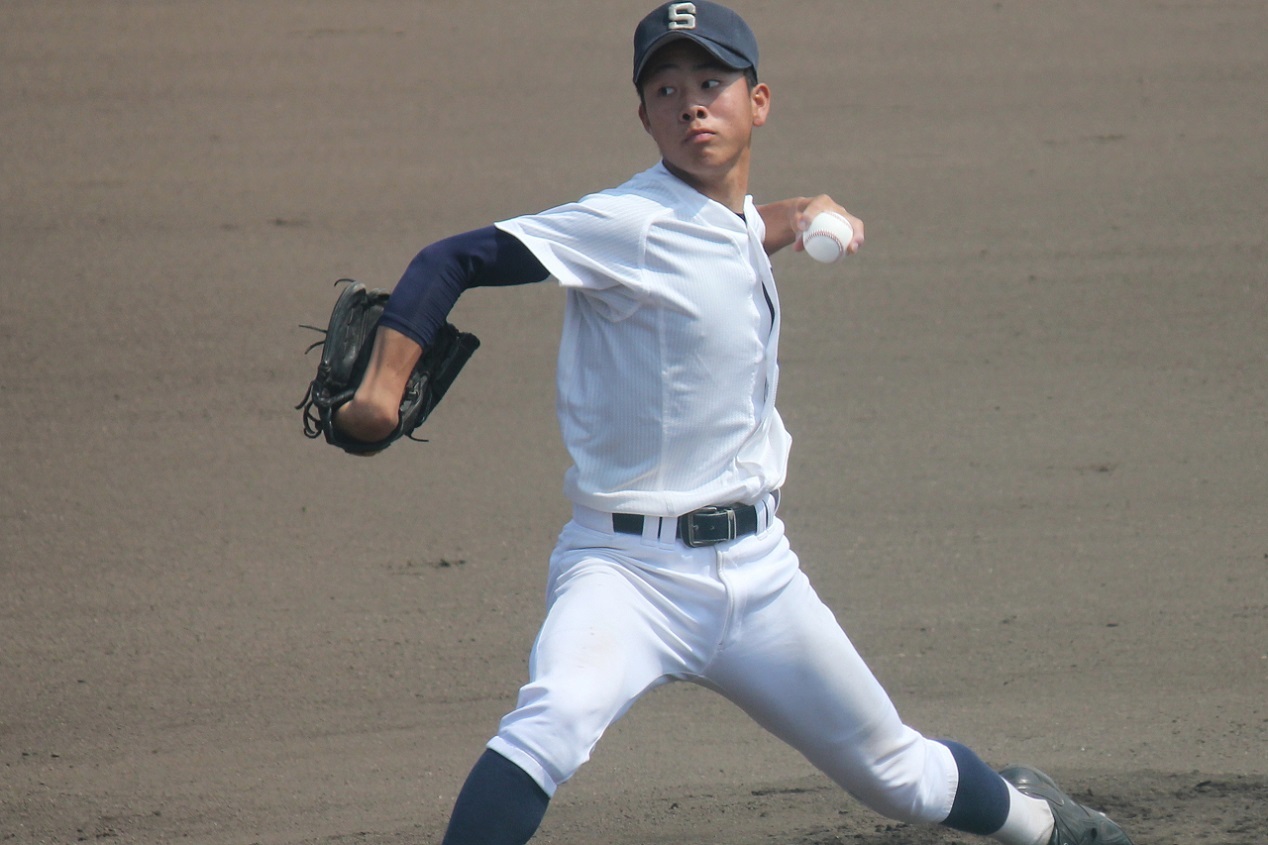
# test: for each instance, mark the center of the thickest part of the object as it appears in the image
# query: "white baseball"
(827, 237)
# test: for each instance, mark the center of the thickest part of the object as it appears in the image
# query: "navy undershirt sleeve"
(981, 799)
(439, 274)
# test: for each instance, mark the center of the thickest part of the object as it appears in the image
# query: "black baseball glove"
(345, 353)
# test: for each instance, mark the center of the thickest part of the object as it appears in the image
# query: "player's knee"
(557, 758)
(902, 800)
(559, 735)
(575, 732)
(906, 779)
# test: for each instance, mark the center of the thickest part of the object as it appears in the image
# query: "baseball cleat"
(1074, 823)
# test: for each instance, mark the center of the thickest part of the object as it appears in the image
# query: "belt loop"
(651, 528)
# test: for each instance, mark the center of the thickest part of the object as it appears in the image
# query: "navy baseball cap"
(713, 26)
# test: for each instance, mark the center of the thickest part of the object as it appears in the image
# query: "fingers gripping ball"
(828, 237)
(345, 354)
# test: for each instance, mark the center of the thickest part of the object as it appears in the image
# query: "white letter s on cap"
(682, 16)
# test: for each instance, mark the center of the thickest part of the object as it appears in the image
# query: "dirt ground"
(1030, 418)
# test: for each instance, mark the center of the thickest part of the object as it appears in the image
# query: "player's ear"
(642, 116)
(760, 97)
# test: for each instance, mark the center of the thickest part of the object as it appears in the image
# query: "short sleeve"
(596, 246)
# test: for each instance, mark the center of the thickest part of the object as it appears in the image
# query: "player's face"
(701, 116)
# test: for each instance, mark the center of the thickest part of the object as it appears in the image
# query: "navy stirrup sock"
(498, 805)
(501, 805)
(981, 799)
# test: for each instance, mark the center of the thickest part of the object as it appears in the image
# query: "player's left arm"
(786, 219)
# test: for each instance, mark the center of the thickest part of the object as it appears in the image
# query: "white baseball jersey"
(667, 380)
(671, 306)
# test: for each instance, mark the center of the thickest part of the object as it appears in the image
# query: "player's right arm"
(786, 219)
(418, 307)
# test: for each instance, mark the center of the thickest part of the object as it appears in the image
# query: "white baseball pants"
(626, 614)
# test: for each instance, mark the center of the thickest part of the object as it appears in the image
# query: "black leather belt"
(704, 527)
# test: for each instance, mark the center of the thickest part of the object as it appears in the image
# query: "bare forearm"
(786, 219)
(373, 412)
(780, 219)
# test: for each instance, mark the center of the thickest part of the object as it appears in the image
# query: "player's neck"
(728, 188)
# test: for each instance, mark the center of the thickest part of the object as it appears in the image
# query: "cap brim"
(725, 55)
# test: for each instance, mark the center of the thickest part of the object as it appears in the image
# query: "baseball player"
(675, 565)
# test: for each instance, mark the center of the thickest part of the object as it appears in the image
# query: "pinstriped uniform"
(667, 365)
(666, 397)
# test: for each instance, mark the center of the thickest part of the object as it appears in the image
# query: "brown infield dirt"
(1030, 469)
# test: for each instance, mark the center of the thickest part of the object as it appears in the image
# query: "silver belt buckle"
(707, 526)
